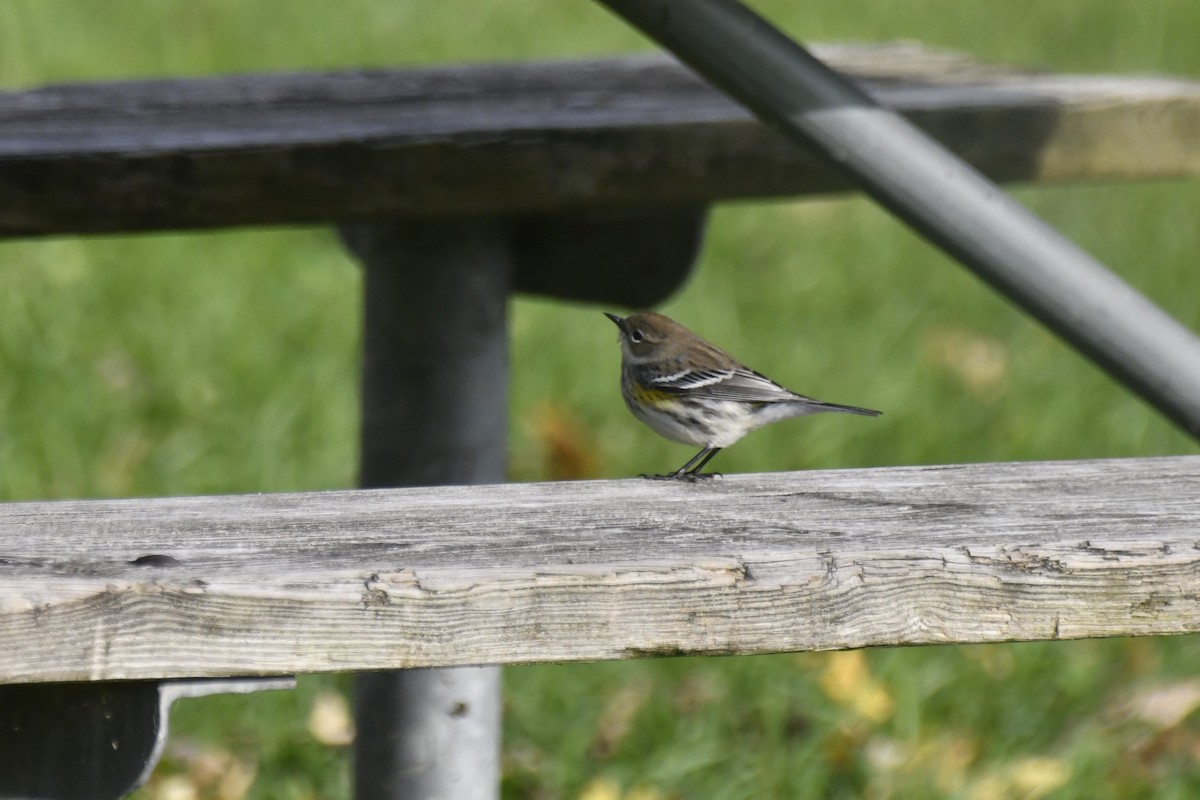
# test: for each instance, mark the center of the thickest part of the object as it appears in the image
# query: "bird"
(693, 392)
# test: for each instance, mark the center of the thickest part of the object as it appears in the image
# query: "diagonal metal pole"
(936, 193)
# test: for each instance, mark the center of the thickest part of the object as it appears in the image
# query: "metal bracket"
(92, 741)
(633, 257)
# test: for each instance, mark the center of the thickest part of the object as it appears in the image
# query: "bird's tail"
(866, 412)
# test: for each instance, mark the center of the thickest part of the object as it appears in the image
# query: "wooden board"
(530, 138)
(518, 573)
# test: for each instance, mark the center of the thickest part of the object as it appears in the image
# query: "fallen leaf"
(848, 682)
(172, 787)
(1027, 778)
(643, 793)
(989, 787)
(886, 755)
(209, 773)
(567, 447)
(207, 763)
(1037, 776)
(953, 758)
(698, 691)
(1163, 706)
(616, 719)
(236, 781)
(979, 362)
(601, 789)
(997, 660)
(329, 720)
(121, 459)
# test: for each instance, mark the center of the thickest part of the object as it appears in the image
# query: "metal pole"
(435, 381)
(935, 192)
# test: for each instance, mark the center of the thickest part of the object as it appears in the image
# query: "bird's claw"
(687, 477)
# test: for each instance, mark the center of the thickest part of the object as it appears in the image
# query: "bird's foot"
(687, 477)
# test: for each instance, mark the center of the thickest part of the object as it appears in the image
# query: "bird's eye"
(636, 336)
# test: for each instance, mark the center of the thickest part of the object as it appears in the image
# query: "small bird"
(695, 393)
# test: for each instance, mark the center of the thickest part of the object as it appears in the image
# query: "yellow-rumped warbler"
(695, 393)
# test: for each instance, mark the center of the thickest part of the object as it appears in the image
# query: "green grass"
(227, 362)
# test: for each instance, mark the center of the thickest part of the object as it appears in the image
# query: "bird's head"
(647, 335)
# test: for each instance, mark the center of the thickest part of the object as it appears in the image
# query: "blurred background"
(228, 362)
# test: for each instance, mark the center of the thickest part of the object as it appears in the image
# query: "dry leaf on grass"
(329, 720)
(847, 680)
(697, 692)
(609, 789)
(617, 718)
(979, 362)
(1028, 778)
(172, 787)
(1163, 706)
(209, 773)
(567, 446)
(601, 789)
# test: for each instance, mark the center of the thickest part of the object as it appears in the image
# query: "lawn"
(228, 362)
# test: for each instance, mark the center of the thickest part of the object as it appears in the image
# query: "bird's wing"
(740, 384)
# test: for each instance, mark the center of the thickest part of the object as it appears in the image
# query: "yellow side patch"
(652, 397)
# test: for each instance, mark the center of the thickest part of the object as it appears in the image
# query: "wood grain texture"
(517, 573)
(532, 138)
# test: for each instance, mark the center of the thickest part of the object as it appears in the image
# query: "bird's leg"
(694, 473)
(691, 470)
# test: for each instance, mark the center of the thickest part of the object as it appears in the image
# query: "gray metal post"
(435, 381)
(935, 192)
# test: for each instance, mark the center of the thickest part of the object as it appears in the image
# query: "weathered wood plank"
(598, 570)
(530, 139)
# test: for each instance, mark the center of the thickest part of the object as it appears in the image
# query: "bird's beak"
(618, 321)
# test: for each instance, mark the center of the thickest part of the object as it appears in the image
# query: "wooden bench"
(184, 589)
(100, 590)
(617, 161)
